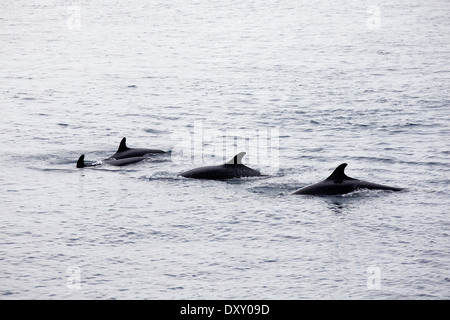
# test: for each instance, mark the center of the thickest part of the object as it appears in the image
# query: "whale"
(230, 170)
(112, 162)
(339, 183)
(124, 152)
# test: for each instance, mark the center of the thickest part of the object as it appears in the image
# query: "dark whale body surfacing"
(124, 152)
(230, 170)
(339, 183)
(109, 161)
(123, 156)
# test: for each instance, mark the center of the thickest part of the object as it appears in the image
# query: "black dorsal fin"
(123, 145)
(338, 173)
(80, 162)
(237, 159)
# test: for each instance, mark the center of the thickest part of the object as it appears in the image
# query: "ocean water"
(300, 86)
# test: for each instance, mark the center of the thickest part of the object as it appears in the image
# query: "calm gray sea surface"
(301, 86)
